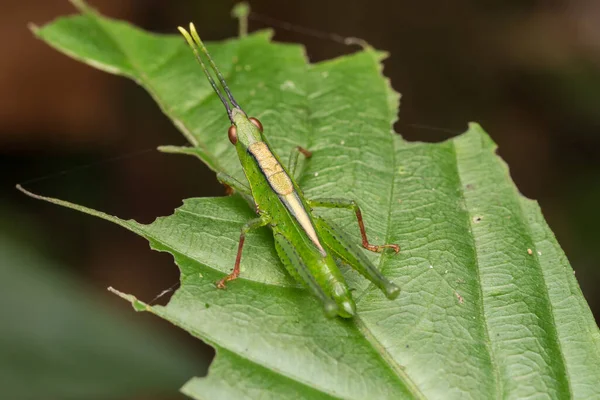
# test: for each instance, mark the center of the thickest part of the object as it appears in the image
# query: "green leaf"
(489, 305)
(58, 341)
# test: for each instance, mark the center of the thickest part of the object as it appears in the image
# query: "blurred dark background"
(528, 71)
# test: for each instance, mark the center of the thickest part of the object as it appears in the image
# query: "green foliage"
(489, 305)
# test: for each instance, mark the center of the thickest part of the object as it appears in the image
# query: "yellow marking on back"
(278, 179)
(282, 185)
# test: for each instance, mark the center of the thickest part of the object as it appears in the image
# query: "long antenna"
(191, 43)
(213, 65)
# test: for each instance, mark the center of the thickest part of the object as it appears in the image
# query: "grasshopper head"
(244, 130)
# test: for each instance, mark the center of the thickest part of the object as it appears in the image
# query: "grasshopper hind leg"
(351, 205)
(300, 272)
(349, 253)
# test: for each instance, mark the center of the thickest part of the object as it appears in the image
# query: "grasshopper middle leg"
(233, 185)
(293, 161)
(248, 226)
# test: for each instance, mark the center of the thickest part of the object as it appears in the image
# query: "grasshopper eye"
(256, 123)
(232, 133)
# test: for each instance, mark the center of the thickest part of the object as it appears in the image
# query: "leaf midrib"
(547, 301)
(359, 323)
(487, 340)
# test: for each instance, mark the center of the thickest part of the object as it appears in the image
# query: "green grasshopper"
(309, 247)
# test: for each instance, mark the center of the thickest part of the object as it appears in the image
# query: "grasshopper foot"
(305, 153)
(222, 284)
(380, 248)
(391, 291)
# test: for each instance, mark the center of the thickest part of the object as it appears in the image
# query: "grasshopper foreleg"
(233, 185)
(248, 226)
(293, 161)
(351, 205)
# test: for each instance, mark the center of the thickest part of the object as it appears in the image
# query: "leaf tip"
(241, 10)
(28, 193)
(475, 126)
(80, 5)
(173, 149)
(349, 41)
(137, 305)
(33, 28)
(486, 142)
